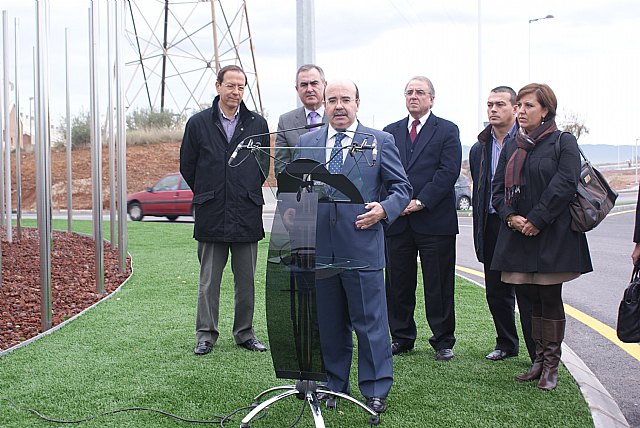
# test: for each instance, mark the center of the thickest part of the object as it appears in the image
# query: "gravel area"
(72, 281)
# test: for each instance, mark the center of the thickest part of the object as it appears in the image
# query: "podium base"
(305, 390)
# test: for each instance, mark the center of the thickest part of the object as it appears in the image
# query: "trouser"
(213, 258)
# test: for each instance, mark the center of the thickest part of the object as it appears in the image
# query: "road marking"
(622, 212)
(604, 330)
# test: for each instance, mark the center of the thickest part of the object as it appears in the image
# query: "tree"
(574, 124)
(80, 130)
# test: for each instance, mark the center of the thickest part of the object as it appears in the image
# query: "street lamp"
(530, 21)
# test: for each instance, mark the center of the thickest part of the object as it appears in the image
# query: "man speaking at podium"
(356, 298)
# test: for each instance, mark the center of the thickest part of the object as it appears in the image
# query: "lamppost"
(635, 160)
(530, 21)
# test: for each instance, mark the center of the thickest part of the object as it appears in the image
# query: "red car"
(170, 197)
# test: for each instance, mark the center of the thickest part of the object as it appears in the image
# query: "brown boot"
(552, 336)
(536, 368)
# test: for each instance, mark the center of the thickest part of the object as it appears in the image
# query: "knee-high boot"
(536, 368)
(552, 336)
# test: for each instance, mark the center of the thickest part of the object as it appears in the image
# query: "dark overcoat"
(228, 200)
(551, 182)
(480, 167)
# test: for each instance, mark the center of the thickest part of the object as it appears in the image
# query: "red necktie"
(414, 131)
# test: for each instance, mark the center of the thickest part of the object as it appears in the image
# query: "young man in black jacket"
(483, 159)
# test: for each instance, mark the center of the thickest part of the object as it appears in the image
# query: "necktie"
(414, 130)
(335, 164)
(314, 118)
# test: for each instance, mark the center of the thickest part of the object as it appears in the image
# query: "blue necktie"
(335, 164)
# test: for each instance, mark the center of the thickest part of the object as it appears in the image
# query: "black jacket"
(228, 201)
(551, 183)
(480, 167)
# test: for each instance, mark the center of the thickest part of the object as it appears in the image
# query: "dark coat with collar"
(551, 183)
(228, 200)
(480, 159)
(432, 169)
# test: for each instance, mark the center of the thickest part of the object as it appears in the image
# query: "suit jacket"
(337, 234)
(293, 119)
(432, 170)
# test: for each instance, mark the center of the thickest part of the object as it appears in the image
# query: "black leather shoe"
(499, 354)
(253, 345)
(398, 348)
(203, 348)
(444, 354)
(377, 404)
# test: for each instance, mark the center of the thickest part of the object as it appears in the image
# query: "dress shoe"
(499, 354)
(377, 404)
(444, 354)
(399, 348)
(253, 345)
(203, 348)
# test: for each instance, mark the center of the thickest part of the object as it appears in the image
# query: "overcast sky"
(588, 54)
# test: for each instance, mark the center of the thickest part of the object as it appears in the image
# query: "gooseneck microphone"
(248, 143)
(365, 145)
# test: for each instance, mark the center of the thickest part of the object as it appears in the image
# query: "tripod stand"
(304, 390)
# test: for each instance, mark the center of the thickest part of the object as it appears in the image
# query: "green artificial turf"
(136, 350)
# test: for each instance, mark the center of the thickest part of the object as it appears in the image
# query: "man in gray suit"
(310, 84)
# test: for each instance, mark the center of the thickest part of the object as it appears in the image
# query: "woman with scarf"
(536, 248)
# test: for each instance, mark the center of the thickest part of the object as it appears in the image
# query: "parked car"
(170, 197)
(463, 192)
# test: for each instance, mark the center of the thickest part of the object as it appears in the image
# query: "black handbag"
(628, 328)
(594, 197)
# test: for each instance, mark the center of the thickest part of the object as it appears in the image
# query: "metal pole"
(69, 134)
(530, 21)
(7, 127)
(96, 146)
(635, 160)
(216, 56)
(111, 137)
(121, 139)
(164, 54)
(19, 133)
(4, 105)
(305, 34)
(43, 177)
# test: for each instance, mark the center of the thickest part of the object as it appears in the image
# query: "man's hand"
(374, 215)
(411, 208)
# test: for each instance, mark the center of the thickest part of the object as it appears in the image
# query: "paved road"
(592, 305)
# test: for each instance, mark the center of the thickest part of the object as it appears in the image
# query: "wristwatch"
(419, 204)
(509, 224)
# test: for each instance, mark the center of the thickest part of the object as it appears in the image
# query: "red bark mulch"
(73, 282)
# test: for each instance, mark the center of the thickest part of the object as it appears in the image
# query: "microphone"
(250, 144)
(364, 145)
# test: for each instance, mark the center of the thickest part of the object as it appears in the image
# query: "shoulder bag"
(628, 327)
(594, 197)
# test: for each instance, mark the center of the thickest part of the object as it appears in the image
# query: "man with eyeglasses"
(355, 298)
(431, 154)
(310, 83)
(228, 206)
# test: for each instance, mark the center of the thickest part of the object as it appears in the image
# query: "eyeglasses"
(231, 87)
(418, 92)
(344, 101)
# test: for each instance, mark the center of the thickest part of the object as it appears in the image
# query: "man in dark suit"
(310, 84)
(355, 298)
(431, 154)
(483, 159)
